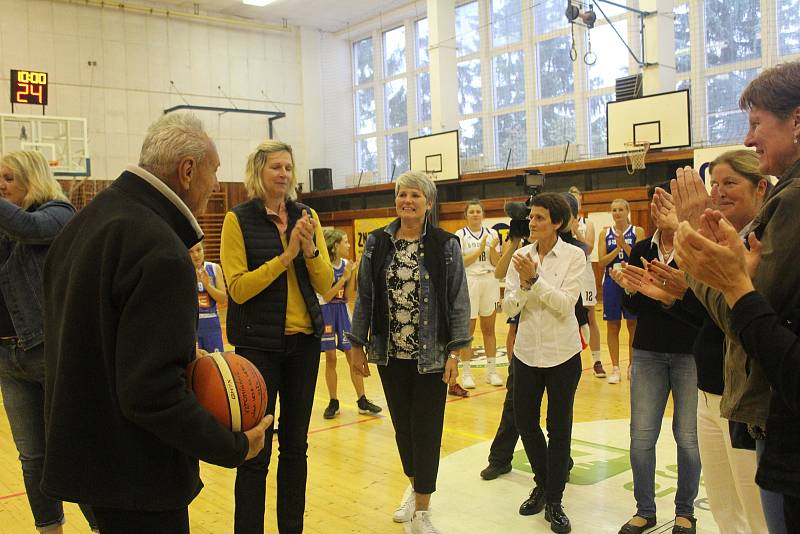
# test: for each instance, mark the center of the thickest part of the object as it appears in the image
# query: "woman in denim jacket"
(411, 313)
(33, 210)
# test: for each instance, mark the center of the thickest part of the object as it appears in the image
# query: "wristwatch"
(452, 356)
(314, 255)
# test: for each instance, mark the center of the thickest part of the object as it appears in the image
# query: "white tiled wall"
(137, 56)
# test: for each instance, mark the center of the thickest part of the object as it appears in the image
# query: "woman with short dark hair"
(543, 286)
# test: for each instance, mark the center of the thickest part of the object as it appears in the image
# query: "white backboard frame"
(663, 120)
(436, 154)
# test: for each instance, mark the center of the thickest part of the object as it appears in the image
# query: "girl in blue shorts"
(211, 292)
(336, 316)
(614, 247)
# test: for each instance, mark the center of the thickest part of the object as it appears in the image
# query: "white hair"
(171, 138)
(417, 180)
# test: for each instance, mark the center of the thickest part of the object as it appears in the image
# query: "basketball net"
(634, 156)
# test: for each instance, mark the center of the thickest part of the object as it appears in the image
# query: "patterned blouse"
(402, 282)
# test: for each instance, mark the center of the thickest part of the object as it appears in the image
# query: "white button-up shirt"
(547, 333)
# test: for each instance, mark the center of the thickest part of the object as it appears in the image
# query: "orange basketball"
(230, 387)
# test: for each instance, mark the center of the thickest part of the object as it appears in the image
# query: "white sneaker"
(614, 376)
(494, 379)
(405, 512)
(469, 382)
(421, 524)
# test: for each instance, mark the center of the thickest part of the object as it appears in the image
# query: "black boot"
(559, 522)
(533, 504)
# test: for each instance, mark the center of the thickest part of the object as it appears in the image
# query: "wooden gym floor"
(355, 479)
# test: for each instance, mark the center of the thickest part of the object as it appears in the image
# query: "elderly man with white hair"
(123, 432)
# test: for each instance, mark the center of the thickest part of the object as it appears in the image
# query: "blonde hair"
(417, 180)
(332, 238)
(255, 166)
(33, 173)
(744, 162)
(623, 202)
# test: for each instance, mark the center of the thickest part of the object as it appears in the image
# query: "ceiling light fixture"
(257, 3)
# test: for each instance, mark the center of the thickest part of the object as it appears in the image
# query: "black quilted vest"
(260, 322)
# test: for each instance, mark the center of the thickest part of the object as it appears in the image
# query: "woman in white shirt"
(543, 285)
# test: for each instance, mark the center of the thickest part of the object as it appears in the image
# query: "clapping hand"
(689, 195)
(525, 266)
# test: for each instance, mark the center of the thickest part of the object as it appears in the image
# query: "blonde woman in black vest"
(275, 261)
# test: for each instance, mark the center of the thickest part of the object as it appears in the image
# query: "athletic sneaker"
(469, 382)
(457, 391)
(332, 410)
(614, 377)
(494, 379)
(599, 372)
(366, 407)
(405, 512)
(422, 524)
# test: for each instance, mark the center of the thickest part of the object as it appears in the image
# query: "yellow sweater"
(244, 284)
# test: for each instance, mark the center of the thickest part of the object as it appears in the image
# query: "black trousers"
(549, 459)
(791, 512)
(116, 521)
(505, 440)
(292, 376)
(416, 405)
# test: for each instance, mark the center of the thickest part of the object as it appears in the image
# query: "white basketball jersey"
(471, 242)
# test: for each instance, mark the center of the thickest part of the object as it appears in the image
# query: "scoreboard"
(28, 87)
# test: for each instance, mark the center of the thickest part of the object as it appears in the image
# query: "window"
(788, 17)
(469, 86)
(597, 124)
(424, 97)
(471, 132)
(511, 139)
(395, 97)
(556, 74)
(733, 31)
(365, 111)
(682, 39)
(557, 124)
(549, 16)
(422, 43)
(506, 22)
(367, 154)
(612, 56)
(726, 122)
(397, 154)
(394, 51)
(509, 79)
(363, 61)
(468, 37)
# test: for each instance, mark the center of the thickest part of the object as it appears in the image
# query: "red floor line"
(378, 418)
(11, 495)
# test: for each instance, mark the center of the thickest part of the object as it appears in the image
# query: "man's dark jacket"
(120, 326)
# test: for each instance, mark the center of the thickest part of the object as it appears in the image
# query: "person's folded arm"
(244, 284)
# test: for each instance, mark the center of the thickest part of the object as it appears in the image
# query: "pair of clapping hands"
(707, 246)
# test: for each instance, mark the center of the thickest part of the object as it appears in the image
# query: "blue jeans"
(653, 376)
(22, 383)
(771, 502)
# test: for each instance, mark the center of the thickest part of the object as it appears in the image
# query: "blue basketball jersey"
(207, 305)
(338, 272)
(611, 243)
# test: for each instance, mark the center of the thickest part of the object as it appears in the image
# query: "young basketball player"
(336, 316)
(211, 293)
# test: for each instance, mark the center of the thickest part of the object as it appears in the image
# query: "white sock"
(490, 365)
(596, 355)
(465, 367)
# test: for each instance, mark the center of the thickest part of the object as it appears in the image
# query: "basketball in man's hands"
(230, 387)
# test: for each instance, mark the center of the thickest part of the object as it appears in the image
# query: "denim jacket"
(437, 339)
(25, 237)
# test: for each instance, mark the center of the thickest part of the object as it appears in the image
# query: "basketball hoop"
(634, 156)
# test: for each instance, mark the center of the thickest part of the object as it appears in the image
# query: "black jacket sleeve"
(773, 342)
(150, 372)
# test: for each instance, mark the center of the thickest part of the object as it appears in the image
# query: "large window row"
(531, 89)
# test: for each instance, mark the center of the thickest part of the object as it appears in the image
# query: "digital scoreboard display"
(28, 87)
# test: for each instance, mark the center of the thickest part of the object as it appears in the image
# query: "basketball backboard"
(62, 140)
(662, 120)
(436, 154)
